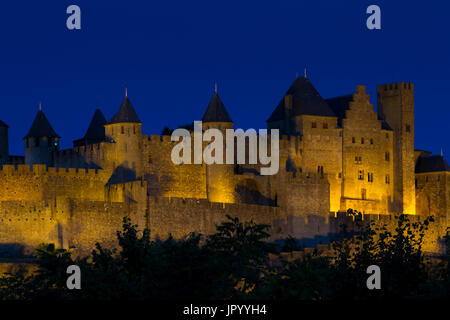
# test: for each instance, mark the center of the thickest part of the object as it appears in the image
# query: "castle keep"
(335, 154)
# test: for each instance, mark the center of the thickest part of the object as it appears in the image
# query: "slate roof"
(96, 129)
(339, 105)
(431, 164)
(41, 127)
(2, 124)
(305, 101)
(216, 111)
(126, 113)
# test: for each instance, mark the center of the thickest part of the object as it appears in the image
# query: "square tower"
(396, 107)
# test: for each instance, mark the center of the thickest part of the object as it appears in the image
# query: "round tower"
(4, 147)
(41, 141)
(125, 155)
(220, 184)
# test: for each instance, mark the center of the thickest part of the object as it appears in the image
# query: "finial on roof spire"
(442, 153)
(296, 74)
(126, 90)
(40, 106)
(215, 87)
(305, 73)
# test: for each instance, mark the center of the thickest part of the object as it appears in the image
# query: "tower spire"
(296, 74)
(126, 89)
(40, 106)
(215, 87)
(442, 152)
(304, 72)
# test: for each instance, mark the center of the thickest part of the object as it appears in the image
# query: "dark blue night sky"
(171, 52)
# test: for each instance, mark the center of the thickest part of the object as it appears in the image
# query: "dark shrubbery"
(234, 263)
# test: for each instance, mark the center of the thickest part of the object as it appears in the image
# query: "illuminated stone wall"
(368, 168)
(41, 183)
(396, 105)
(433, 194)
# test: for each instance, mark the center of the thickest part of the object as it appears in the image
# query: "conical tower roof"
(96, 128)
(216, 111)
(41, 127)
(305, 101)
(126, 113)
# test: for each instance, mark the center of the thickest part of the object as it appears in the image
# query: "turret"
(219, 177)
(4, 147)
(216, 115)
(124, 129)
(41, 141)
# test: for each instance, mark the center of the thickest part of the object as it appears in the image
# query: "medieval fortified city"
(334, 154)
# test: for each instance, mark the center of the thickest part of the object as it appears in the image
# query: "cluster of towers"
(367, 156)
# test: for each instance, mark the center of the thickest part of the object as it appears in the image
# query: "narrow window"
(387, 179)
(320, 170)
(353, 139)
(386, 156)
(313, 125)
(122, 130)
(363, 194)
(361, 175)
(370, 177)
(371, 141)
(362, 140)
(408, 128)
(325, 125)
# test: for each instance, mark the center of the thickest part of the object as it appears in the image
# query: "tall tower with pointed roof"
(219, 177)
(4, 146)
(216, 115)
(124, 130)
(40, 141)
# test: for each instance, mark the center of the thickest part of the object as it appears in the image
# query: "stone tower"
(4, 147)
(124, 131)
(396, 107)
(219, 177)
(41, 141)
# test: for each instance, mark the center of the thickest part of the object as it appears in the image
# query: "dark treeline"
(234, 263)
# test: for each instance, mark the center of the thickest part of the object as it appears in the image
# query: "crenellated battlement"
(43, 170)
(396, 86)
